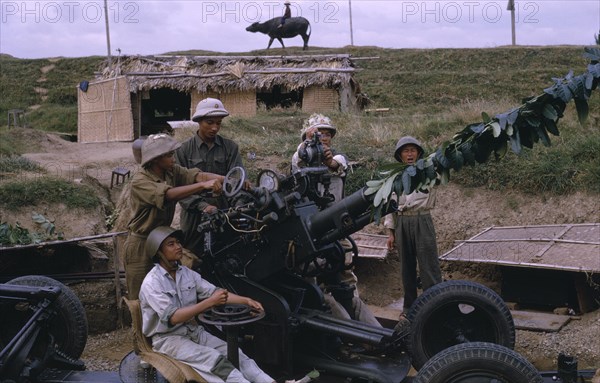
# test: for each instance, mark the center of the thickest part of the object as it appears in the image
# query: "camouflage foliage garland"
(522, 126)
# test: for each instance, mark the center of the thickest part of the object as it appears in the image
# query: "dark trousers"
(416, 245)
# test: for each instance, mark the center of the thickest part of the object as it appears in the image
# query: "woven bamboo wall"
(238, 104)
(104, 112)
(318, 99)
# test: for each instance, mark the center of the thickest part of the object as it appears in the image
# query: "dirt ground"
(460, 213)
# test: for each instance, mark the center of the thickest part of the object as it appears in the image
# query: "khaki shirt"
(150, 208)
(414, 202)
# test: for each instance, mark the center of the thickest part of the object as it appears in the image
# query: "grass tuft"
(16, 164)
(31, 192)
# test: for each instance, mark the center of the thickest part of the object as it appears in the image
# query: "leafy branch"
(525, 125)
(16, 235)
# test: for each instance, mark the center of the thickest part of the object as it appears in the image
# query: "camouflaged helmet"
(318, 121)
(156, 238)
(405, 141)
(209, 107)
(156, 145)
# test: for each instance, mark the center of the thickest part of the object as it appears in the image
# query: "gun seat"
(173, 370)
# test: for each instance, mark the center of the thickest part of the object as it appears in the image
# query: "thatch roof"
(232, 73)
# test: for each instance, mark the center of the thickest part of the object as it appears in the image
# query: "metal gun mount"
(277, 240)
(272, 245)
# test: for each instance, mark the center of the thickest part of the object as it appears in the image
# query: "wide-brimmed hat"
(318, 121)
(209, 107)
(156, 145)
(406, 140)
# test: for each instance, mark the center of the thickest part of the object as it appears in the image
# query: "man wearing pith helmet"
(412, 233)
(171, 297)
(209, 152)
(155, 190)
(341, 290)
(335, 162)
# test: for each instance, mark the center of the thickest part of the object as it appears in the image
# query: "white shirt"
(161, 296)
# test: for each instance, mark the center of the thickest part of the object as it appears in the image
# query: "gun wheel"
(233, 182)
(69, 327)
(478, 362)
(456, 312)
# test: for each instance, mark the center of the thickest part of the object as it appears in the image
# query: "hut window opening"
(161, 106)
(279, 97)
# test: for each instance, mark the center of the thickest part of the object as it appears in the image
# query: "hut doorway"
(279, 96)
(161, 105)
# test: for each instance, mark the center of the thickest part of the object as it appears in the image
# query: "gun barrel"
(342, 215)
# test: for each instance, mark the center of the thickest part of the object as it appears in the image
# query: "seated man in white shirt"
(171, 297)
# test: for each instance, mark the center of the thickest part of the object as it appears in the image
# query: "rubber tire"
(69, 327)
(474, 362)
(438, 319)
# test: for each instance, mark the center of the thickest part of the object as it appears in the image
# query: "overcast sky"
(36, 29)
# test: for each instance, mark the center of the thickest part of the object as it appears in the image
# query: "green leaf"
(543, 135)
(387, 187)
(38, 218)
(515, 143)
(371, 190)
(375, 183)
(500, 150)
(441, 159)
(496, 130)
(592, 53)
(485, 117)
(512, 116)
(457, 160)
(582, 110)
(509, 130)
(476, 128)
(397, 188)
(502, 120)
(406, 183)
(313, 374)
(551, 126)
(378, 198)
(445, 176)
(549, 112)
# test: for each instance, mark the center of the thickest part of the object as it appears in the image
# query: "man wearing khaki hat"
(155, 191)
(209, 152)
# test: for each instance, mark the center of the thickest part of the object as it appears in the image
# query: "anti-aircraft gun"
(281, 235)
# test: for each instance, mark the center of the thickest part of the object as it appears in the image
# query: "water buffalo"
(293, 27)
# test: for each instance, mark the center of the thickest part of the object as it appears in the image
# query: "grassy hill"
(430, 93)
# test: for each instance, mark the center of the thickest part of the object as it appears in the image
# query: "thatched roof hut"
(167, 88)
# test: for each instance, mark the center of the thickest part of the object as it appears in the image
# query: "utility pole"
(351, 33)
(511, 7)
(107, 34)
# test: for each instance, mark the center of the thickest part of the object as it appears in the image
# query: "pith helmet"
(209, 107)
(156, 238)
(286, 2)
(405, 141)
(318, 121)
(156, 145)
